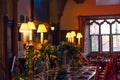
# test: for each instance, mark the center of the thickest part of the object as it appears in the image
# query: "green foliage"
(32, 54)
(20, 77)
(49, 49)
(70, 49)
(37, 55)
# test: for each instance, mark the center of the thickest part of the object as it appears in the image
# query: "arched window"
(104, 34)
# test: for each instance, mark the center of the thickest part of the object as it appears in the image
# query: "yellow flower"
(21, 78)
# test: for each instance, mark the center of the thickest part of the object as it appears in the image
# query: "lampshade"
(68, 35)
(79, 35)
(31, 25)
(41, 28)
(24, 28)
(73, 33)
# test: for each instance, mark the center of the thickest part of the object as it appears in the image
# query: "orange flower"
(38, 45)
(21, 78)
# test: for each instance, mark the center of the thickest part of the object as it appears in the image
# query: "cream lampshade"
(41, 29)
(73, 34)
(32, 27)
(24, 28)
(79, 35)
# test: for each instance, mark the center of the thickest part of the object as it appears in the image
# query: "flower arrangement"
(67, 52)
(31, 56)
(48, 49)
(67, 48)
(53, 56)
(37, 53)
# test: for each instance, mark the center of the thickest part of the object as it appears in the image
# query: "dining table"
(73, 73)
(101, 62)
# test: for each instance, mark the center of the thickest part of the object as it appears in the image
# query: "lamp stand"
(72, 39)
(24, 37)
(30, 36)
(78, 41)
(42, 37)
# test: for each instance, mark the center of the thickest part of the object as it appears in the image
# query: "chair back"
(96, 77)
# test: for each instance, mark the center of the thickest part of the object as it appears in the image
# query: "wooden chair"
(96, 77)
(118, 67)
(110, 70)
(109, 73)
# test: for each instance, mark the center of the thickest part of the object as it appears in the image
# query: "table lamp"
(73, 34)
(68, 35)
(24, 28)
(41, 29)
(32, 27)
(79, 35)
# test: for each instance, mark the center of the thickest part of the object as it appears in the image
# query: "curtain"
(84, 29)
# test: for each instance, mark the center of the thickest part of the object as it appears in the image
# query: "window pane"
(115, 28)
(91, 21)
(99, 21)
(100, 32)
(118, 19)
(110, 20)
(116, 43)
(105, 28)
(105, 43)
(94, 40)
(94, 29)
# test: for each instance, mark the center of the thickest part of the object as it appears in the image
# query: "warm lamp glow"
(73, 34)
(41, 29)
(24, 28)
(79, 35)
(52, 28)
(68, 35)
(32, 27)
